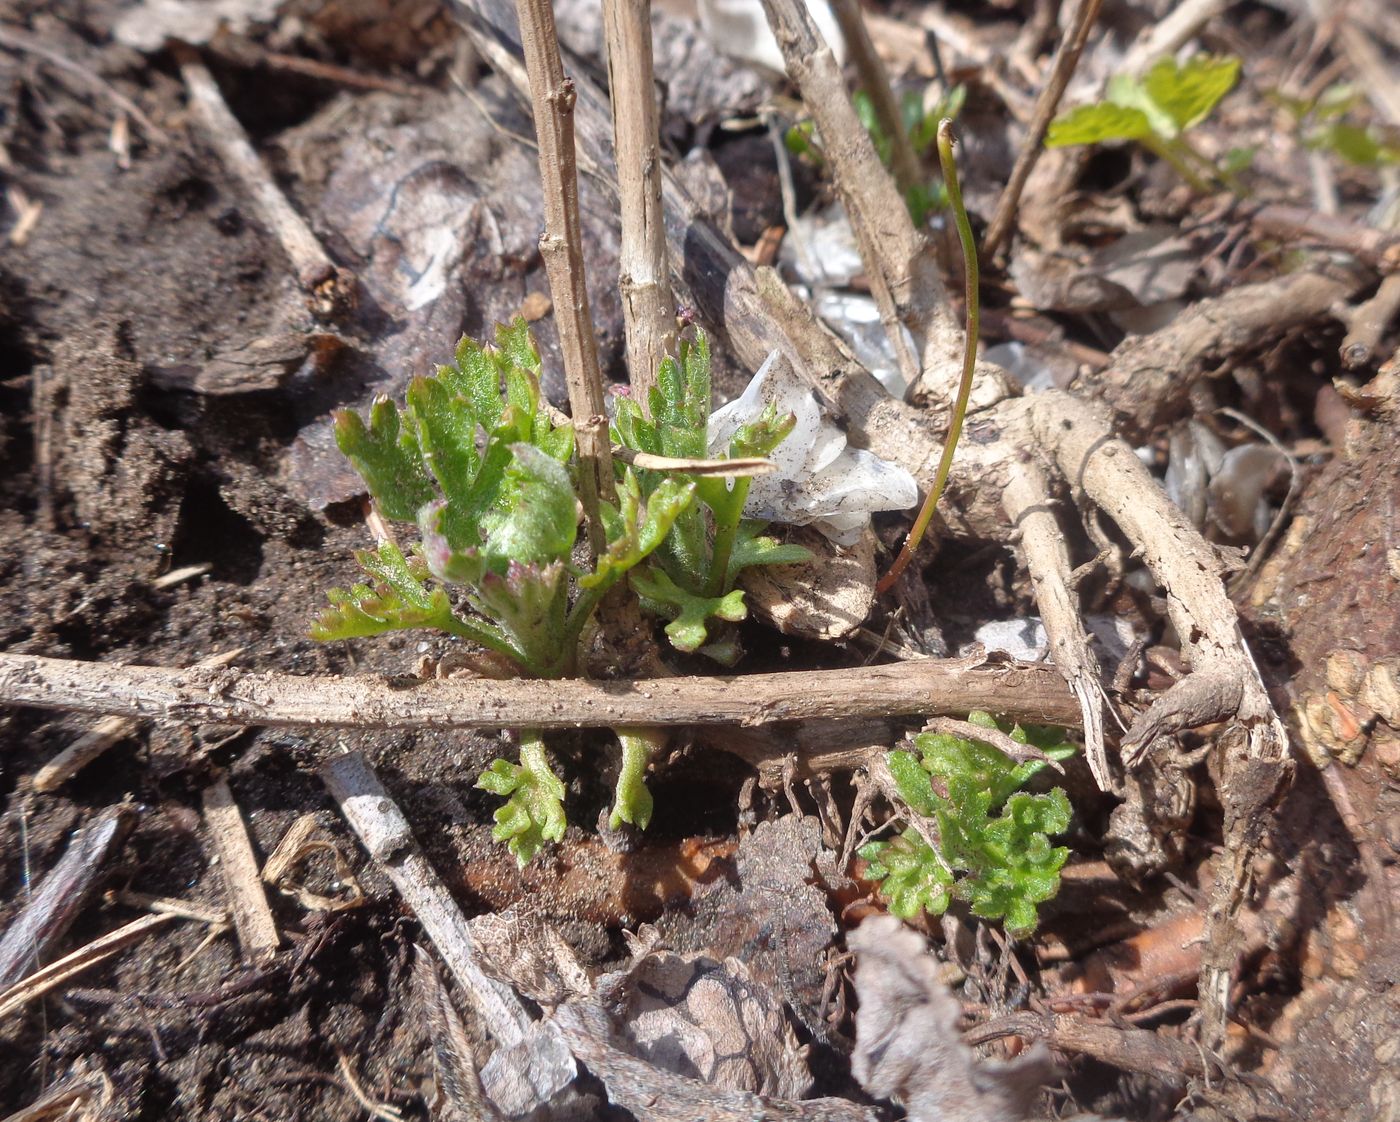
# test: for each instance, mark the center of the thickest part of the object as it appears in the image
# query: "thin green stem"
(1172, 152)
(726, 530)
(489, 638)
(973, 301)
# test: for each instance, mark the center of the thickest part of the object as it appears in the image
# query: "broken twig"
(252, 918)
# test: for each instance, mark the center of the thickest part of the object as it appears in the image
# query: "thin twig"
(1061, 71)
(252, 918)
(923, 687)
(330, 290)
(1042, 546)
(1168, 34)
(648, 306)
(57, 973)
(552, 96)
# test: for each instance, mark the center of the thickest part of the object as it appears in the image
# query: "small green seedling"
(1156, 111)
(993, 847)
(690, 580)
(476, 463)
(1326, 124)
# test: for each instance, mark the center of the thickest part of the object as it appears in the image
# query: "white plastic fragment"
(739, 29)
(820, 481)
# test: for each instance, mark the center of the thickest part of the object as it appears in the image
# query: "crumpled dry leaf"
(770, 915)
(697, 1016)
(907, 1042)
(525, 951)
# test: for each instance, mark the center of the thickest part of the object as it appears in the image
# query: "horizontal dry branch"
(918, 688)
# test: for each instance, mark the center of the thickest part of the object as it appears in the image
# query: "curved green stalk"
(973, 301)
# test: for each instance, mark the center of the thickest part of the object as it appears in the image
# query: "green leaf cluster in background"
(690, 578)
(993, 839)
(1156, 110)
(923, 199)
(1327, 123)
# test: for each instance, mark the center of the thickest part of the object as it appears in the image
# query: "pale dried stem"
(517, 1067)
(50, 977)
(330, 289)
(927, 687)
(1061, 71)
(1224, 683)
(1042, 545)
(875, 80)
(252, 918)
(552, 97)
(896, 255)
(648, 306)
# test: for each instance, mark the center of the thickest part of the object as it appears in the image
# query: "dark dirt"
(163, 402)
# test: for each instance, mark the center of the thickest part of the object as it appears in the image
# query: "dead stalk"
(252, 918)
(897, 257)
(876, 82)
(918, 688)
(552, 97)
(648, 305)
(1061, 71)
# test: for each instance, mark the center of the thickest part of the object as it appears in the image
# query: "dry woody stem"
(1061, 71)
(876, 82)
(918, 688)
(648, 306)
(561, 247)
(898, 256)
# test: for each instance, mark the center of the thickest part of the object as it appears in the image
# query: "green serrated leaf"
(530, 603)
(387, 456)
(1094, 124)
(397, 601)
(751, 547)
(447, 429)
(475, 375)
(534, 812)
(536, 520)
(636, 530)
(1187, 94)
(689, 614)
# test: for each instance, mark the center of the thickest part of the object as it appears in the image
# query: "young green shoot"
(1157, 111)
(992, 847)
(971, 281)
